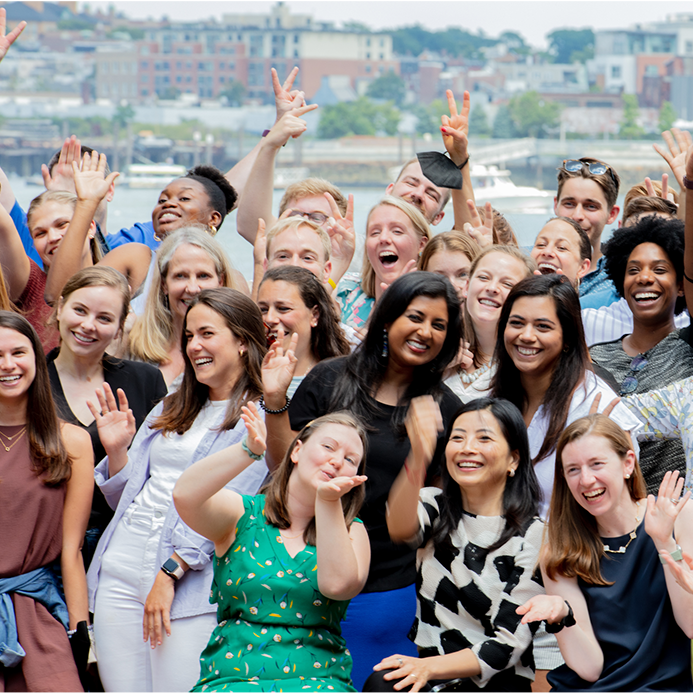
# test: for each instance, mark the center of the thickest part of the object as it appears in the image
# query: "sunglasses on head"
(596, 168)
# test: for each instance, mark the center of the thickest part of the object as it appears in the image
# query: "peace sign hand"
(7, 40)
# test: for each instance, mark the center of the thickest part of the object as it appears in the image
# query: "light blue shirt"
(192, 591)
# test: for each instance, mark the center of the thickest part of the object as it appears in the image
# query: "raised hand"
(423, 423)
(342, 235)
(62, 176)
(91, 182)
(480, 230)
(455, 129)
(115, 421)
(255, 425)
(663, 510)
(7, 40)
(284, 97)
(649, 186)
(278, 368)
(260, 245)
(290, 124)
(334, 489)
(678, 143)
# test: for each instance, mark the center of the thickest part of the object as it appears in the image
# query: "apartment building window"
(368, 56)
(144, 78)
(256, 45)
(144, 65)
(179, 79)
(689, 46)
(104, 68)
(296, 39)
(615, 72)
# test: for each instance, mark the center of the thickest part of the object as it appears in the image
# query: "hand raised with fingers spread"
(61, 177)
(255, 425)
(480, 230)
(455, 128)
(284, 96)
(663, 509)
(115, 421)
(91, 182)
(278, 368)
(6, 40)
(290, 124)
(675, 154)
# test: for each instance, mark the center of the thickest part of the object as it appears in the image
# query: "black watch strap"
(566, 622)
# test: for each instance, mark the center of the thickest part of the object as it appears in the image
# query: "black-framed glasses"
(316, 217)
(630, 382)
(596, 168)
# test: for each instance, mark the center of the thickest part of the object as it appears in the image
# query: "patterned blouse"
(467, 596)
(355, 304)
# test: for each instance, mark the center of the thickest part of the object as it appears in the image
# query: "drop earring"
(385, 349)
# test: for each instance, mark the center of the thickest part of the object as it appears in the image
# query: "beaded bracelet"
(275, 411)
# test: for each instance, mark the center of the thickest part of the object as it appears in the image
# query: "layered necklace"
(16, 438)
(632, 535)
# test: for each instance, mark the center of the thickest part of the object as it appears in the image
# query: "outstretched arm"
(70, 257)
(688, 249)
(423, 423)
(199, 495)
(14, 261)
(455, 132)
(678, 142)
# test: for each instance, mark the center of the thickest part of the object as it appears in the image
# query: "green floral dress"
(276, 631)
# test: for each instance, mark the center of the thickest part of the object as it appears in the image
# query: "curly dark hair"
(222, 195)
(668, 234)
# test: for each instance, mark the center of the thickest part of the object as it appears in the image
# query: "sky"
(532, 19)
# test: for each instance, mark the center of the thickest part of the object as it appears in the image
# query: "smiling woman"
(645, 262)
(139, 580)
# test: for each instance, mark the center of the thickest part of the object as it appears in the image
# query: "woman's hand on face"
(279, 366)
(663, 510)
(115, 421)
(157, 609)
(423, 423)
(334, 489)
(412, 671)
(543, 607)
(257, 431)
(682, 570)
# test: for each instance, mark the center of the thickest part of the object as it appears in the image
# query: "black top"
(644, 648)
(393, 566)
(144, 386)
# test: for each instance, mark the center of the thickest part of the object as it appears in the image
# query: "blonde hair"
(445, 193)
(64, 198)
(152, 334)
(418, 221)
(640, 190)
(311, 187)
(450, 241)
(294, 224)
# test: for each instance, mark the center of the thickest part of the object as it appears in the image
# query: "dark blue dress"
(644, 648)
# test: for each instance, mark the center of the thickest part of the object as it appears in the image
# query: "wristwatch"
(565, 622)
(173, 569)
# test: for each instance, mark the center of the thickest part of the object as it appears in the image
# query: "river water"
(132, 205)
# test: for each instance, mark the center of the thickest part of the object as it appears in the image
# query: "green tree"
(413, 40)
(124, 114)
(667, 116)
(515, 42)
(478, 122)
(568, 45)
(234, 93)
(425, 122)
(360, 117)
(532, 115)
(503, 126)
(389, 87)
(629, 128)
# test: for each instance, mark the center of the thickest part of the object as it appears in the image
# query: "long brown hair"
(48, 453)
(277, 489)
(244, 320)
(575, 548)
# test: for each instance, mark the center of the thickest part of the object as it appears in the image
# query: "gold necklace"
(19, 433)
(284, 536)
(632, 535)
(16, 435)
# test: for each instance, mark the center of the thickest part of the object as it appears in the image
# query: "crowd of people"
(466, 466)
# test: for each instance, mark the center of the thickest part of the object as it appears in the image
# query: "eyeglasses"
(630, 382)
(596, 168)
(316, 217)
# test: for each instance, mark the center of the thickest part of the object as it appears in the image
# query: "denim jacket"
(192, 591)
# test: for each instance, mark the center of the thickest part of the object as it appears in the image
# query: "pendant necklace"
(17, 435)
(632, 535)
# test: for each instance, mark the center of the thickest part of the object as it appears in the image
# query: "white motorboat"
(153, 175)
(493, 185)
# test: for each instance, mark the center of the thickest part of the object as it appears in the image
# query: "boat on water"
(493, 185)
(286, 176)
(152, 175)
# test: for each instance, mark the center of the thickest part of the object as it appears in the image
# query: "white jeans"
(128, 570)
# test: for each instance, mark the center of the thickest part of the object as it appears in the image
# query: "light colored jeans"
(128, 570)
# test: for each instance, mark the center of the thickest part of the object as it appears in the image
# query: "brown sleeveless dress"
(31, 526)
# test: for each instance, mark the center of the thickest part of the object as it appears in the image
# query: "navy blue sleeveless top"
(644, 648)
